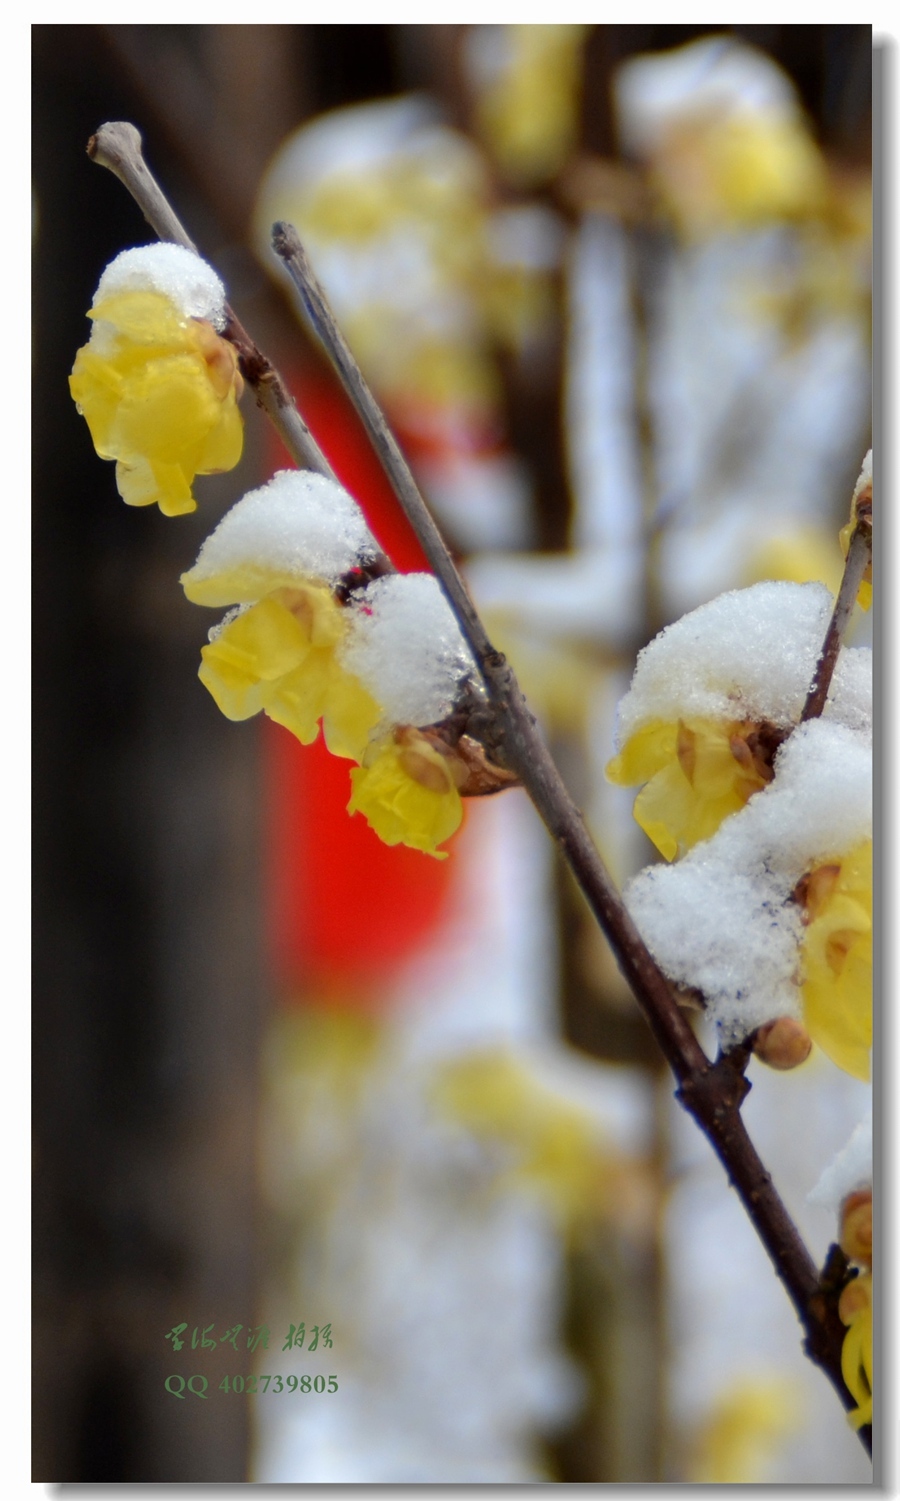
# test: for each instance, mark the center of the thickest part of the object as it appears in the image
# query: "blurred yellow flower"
(697, 772)
(719, 171)
(855, 1309)
(527, 82)
(279, 656)
(745, 1428)
(159, 392)
(554, 1142)
(837, 958)
(408, 793)
(803, 553)
(398, 237)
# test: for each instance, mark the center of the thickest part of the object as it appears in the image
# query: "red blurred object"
(344, 908)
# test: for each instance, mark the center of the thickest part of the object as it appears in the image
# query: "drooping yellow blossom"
(279, 656)
(837, 958)
(554, 1142)
(407, 792)
(159, 392)
(746, 1427)
(862, 502)
(855, 1309)
(697, 772)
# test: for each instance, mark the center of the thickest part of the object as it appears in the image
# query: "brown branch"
(711, 1092)
(859, 556)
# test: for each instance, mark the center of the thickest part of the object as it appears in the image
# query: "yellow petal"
(142, 318)
(144, 484)
(392, 796)
(259, 648)
(856, 1356)
(349, 716)
(697, 773)
(837, 965)
(647, 751)
(665, 805)
(158, 392)
(298, 699)
(223, 445)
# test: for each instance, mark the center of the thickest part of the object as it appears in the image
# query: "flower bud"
(782, 1044)
(856, 1226)
(854, 1299)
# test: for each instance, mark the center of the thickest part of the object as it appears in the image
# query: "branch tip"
(711, 1092)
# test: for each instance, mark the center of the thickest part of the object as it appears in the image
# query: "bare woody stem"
(859, 556)
(520, 741)
(711, 1092)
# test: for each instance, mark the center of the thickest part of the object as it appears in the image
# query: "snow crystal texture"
(406, 647)
(299, 523)
(721, 919)
(850, 1171)
(177, 273)
(750, 654)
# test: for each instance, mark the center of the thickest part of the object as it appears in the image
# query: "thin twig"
(859, 556)
(711, 1092)
(288, 246)
(521, 744)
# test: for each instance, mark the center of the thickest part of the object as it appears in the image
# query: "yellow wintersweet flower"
(697, 772)
(159, 390)
(279, 656)
(855, 1309)
(408, 792)
(837, 958)
(417, 199)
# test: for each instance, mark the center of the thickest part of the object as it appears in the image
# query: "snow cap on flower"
(299, 526)
(405, 645)
(850, 696)
(722, 130)
(171, 270)
(156, 383)
(849, 1172)
(722, 919)
(748, 655)
(715, 76)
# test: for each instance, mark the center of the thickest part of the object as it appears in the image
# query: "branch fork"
(712, 1092)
